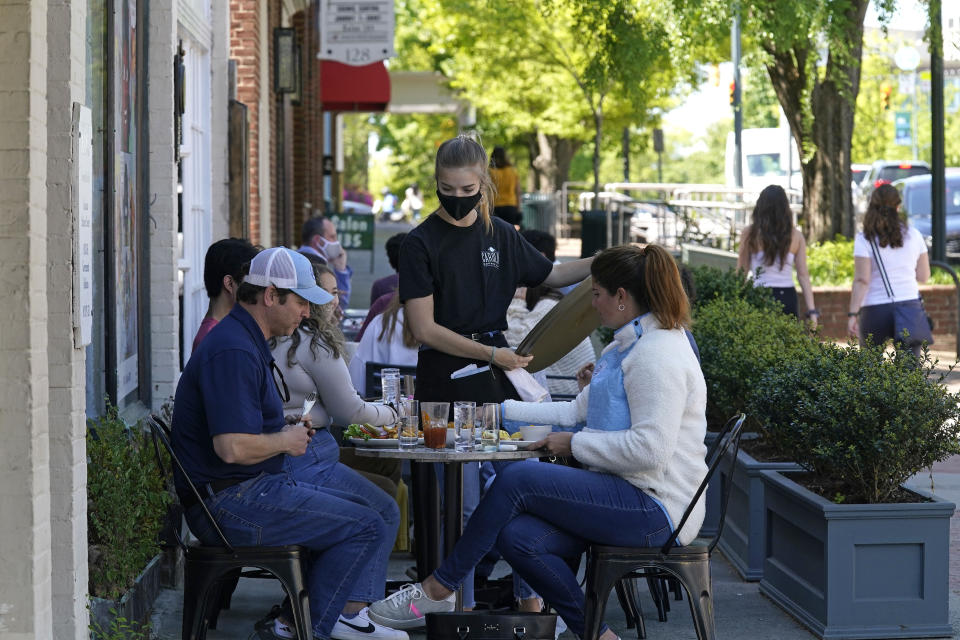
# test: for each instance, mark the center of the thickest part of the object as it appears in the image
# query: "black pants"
(787, 296)
(434, 383)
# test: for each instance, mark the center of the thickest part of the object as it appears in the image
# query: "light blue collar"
(632, 331)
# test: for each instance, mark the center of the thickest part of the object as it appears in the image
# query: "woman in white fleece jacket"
(642, 451)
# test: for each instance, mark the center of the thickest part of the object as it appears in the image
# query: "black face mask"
(458, 206)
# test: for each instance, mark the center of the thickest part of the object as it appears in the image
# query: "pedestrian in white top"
(903, 252)
(771, 248)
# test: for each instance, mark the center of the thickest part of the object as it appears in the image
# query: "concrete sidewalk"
(741, 612)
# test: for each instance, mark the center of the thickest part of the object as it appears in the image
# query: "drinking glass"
(464, 419)
(390, 385)
(409, 421)
(489, 421)
(433, 419)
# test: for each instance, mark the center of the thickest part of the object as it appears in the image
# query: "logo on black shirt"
(491, 258)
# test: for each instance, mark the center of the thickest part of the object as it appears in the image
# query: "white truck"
(769, 156)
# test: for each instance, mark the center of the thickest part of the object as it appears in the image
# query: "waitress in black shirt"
(459, 270)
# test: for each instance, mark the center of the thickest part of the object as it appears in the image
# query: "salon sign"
(356, 32)
(354, 230)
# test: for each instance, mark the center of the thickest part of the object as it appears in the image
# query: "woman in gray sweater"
(312, 360)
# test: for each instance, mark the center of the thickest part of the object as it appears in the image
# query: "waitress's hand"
(556, 444)
(507, 360)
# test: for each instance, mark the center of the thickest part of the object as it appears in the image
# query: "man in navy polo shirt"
(230, 433)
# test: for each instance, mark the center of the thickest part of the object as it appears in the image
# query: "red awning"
(347, 88)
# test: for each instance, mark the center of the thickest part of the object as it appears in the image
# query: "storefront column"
(25, 499)
(66, 357)
(164, 249)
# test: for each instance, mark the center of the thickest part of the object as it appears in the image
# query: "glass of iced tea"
(433, 418)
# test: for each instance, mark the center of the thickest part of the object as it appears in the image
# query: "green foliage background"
(126, 503)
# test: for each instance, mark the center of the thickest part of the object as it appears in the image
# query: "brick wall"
(245, 35)
(939, 300)
(307, 126)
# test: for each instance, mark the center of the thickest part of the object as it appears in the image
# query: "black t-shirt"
(471, 273)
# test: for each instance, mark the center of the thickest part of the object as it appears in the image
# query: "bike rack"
(956, 281)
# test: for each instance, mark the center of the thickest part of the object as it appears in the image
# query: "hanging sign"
(356, 32)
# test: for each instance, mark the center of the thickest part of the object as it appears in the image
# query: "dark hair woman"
(642, 452)
(771, 248)
(903, 252)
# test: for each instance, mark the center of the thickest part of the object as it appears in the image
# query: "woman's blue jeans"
(538, 515)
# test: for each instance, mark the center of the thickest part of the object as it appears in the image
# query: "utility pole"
(737, 111)
(937, 180)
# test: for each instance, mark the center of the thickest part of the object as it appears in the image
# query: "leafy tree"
(549, 72)
(812, 52)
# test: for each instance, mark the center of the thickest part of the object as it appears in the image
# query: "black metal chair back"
(690, 565)
(210, 573)
(729, 436)
(372, 376)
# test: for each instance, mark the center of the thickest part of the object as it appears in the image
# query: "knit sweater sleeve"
(337, 395)
(654, 384)
(563, 414)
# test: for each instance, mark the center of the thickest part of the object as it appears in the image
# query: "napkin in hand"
(529, 389)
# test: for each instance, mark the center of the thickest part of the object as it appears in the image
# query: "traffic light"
(733, 93)
(885, 92)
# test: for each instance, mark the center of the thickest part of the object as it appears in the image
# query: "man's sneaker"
(405, 608)
(361, 627)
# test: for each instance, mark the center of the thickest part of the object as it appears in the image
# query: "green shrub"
(738, 342)
(120, 629)
(126, 503)
(712, 283)
(860, 420)
(831, 264)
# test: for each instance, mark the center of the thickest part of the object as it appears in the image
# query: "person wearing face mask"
(319, 242)
(459, 269)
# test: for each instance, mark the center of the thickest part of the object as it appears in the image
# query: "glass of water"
(464, 419)
(489, 423)
(409, 422)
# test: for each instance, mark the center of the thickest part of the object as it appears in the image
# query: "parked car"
(884, 172)
(857, 171)
(916, 194)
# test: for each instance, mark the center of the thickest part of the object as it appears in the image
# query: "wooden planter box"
(742, 541)
(857, 571)
(135, 605)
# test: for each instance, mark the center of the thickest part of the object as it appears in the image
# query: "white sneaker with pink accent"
(406, 608)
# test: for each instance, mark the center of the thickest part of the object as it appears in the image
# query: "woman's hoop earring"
(621, 308)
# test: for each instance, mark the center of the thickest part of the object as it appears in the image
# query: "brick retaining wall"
(940, 301)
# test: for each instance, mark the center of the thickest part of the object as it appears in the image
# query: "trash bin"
(539, 212)
(593, 230)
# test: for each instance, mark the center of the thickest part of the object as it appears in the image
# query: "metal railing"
(956, 281)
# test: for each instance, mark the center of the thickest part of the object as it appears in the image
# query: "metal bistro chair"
(689, 564)
(372, 375)
(205, 568)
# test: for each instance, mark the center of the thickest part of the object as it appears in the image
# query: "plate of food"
(367, 435)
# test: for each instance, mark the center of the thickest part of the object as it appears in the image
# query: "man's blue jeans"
(320, 466)
(538, 515)
(274, 510)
